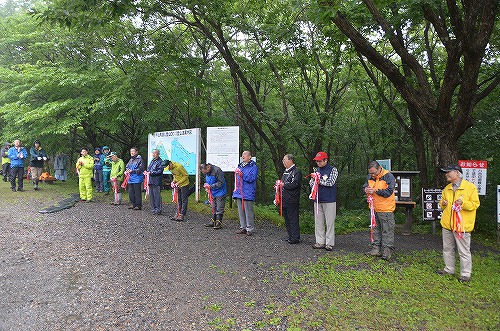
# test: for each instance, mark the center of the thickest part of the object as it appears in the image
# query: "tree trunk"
(445, 110)
(445, 152)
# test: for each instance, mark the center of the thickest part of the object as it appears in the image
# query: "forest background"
(415, 81)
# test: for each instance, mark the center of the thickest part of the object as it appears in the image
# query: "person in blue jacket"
(135, 169)
(216, 183)
(244, 193)
(17, 155)
(98, 165)
(106, 169)
(155, 170)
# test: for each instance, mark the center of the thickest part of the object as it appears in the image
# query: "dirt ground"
(101, 267)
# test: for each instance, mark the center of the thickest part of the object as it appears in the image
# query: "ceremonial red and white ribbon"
(238, 185)
(146, 184)
(28, 173)
(373, 222)
(174, 187)
(210, 197)
(278, 195)
(78, 172)
(125, 180)
(175, 198)
(115, 188)
(316, 176)
(458, 227)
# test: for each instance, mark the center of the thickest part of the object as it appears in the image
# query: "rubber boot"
(218, 222)
(211, 223)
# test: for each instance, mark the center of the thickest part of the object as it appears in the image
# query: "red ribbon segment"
(125, 180)
(146, 184)
(458, 227)
(278, 195)
(373, 222)
(238, 185)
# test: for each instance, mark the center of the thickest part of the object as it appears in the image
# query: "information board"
(181, 146)
(430, 204)
(223, 147)
(474, 171)
(385, 163)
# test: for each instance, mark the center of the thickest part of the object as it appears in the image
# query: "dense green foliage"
(90, 73)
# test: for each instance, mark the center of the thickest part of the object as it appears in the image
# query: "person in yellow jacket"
(85, 170)
(380, 185)
(5, 161)
(459, 201)
(181, 180)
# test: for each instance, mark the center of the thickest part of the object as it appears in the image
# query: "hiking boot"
(218, 225)
(318, 246)
(387, 253)
(210, 224)
(241, 231)
(375, 251)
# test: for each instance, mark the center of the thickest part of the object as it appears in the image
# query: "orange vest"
(383, 181)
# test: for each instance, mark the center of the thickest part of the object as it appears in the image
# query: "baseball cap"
(320, 156)
(452, 167)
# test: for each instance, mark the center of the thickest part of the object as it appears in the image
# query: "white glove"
(45, 158)
(39, 158)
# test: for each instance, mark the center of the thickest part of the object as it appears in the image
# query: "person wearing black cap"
(38, 156)
(459, 201)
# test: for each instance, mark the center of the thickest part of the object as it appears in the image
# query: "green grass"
(48, 194)
(351, 292)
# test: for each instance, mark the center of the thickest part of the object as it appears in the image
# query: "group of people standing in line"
(13, 164)
(459, 198)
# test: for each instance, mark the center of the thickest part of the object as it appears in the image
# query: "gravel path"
(102, 267)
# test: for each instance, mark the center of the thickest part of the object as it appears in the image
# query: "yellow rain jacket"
(467, 192)
(87, 169)
(179, 172)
